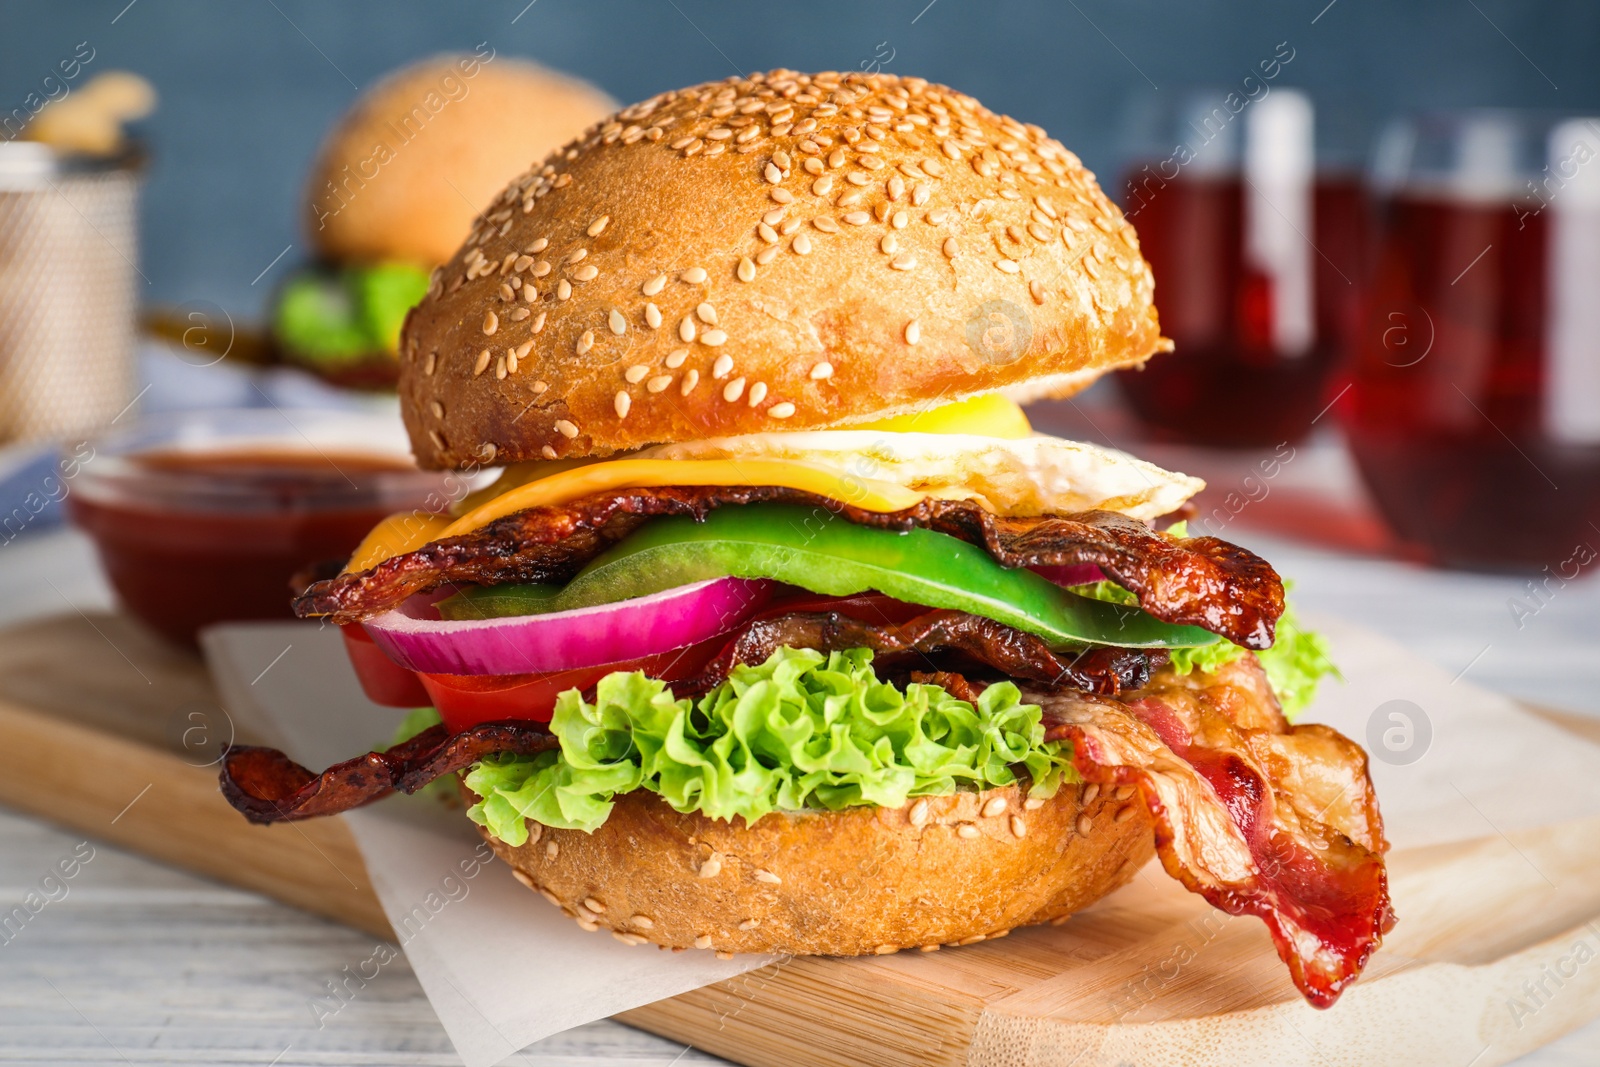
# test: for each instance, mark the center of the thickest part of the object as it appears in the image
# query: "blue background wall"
(248, 86)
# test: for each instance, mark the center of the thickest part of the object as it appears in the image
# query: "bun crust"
(403, 174)
(848, 883)
(783, 251)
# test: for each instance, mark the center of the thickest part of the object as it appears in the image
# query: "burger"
(396, 185)
(779, 630)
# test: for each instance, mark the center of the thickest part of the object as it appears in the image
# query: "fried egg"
(1033, 475)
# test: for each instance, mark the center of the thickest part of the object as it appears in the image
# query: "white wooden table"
(143, 964)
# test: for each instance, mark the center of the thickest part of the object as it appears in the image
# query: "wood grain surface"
(1152, 975)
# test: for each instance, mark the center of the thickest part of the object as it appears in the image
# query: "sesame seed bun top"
(405, 171)
(778, 252)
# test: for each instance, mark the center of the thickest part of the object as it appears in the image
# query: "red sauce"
(192, 538)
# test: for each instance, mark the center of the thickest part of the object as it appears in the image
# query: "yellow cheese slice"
(408, 531)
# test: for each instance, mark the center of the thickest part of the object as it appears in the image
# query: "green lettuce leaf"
(802, 730)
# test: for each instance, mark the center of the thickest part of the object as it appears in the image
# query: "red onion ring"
(564, 640)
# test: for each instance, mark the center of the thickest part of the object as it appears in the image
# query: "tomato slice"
(465, 700)
(382, 679)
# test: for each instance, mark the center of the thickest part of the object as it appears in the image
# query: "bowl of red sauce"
(207, 517)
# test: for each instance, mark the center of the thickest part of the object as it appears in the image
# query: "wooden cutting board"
(1497, 953)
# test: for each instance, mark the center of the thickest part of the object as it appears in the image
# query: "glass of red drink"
(1474, 408)
(1250, 208)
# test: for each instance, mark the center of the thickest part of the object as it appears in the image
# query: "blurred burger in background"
(394, 190)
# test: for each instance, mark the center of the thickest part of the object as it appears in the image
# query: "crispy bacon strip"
(1258, 817)
(1199, 581)
(266, 786)
(1011, 652)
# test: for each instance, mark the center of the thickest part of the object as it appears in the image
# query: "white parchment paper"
(503, 968)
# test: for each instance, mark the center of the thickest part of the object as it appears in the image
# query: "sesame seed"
(782, 196)
(436, 438)
(1036, 291)
(1010, 266)
(622, 403)
(750, 924)
(767, 233)
(712, 866)
(1033, 804)
(858, 178)
(586, 273)
(801, 245)
(578, 255)
(823, 185)
(520, 314)
(635, 374)
(506, 292)
(511, 361)
(722, 366)
(918, 816)
(690, 380)
(775, 216)
(858, 218)
(733, 390)
(1085, 824)
(548, 453)
(703, 941)
(973, 940)
(747, 269)
(598, 225)
(1123, 814)
(935, 947)
(659, 383)
(627, 939)
(538, 323)
(652, 316)
(491, 322)
(758, 393)
(594, 905)
(618, 324)
(900, 220)
(920, 194)
(712, 338)
(1090, 791)
(541, 268)
(686, 330)
(654, 285)
(642, 922)
(967, 830)
(895, 187)
(539, 245)
(540, 386)
(837, 157)
(694, 275)
(585, 342)
(889, 244)
(587, 926)
(676, 357)
(563, 289)
(781, 411)
(886, 950)
(768, 877)
(482, 364)
(772, 173)
(1018, 827)
(951, 149)
(567, 430)
(904, 261)
(500, 369)
(707, 313)
(766, 255)
(820, 372)
(1124, 792)
(825, 223)
(432, 362)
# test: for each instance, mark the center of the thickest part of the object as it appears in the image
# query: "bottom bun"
(939, 871)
